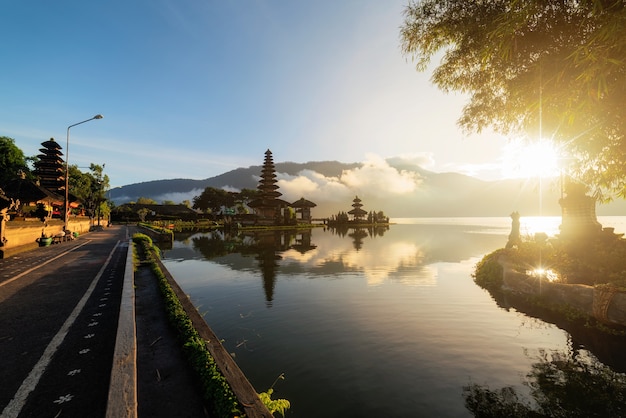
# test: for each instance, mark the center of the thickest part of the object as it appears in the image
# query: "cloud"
(178, 197)
(375, 177)
(314, 186)
(414, 160)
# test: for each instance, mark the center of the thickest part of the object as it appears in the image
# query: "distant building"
(357, 212)
(269, 208)
(303, 210)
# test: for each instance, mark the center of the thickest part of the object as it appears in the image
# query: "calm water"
(373, 324)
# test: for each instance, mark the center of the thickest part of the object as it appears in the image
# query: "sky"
(193, 89)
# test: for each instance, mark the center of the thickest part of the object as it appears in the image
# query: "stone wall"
(21, 234)
(605, 305)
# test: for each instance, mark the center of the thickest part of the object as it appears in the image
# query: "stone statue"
(514, 237)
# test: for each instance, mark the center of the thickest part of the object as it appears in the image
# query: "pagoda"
(268, 207)
(357, 213)
(50, 167)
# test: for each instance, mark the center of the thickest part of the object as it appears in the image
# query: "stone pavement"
(83, 335)
(59, 309)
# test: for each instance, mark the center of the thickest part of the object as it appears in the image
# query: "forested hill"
(332, 186)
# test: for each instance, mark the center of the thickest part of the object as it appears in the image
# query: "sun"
(539, 159)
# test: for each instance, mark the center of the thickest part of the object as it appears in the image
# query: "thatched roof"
(302, 203)
(267, 203)
(27, 191)
(357, 212)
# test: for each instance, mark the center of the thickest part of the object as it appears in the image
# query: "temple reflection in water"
(265, 246)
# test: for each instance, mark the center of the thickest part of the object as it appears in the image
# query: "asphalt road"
(59, 309)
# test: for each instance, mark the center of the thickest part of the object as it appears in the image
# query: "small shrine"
(357, 212)
(578, 214)
(359, 216)
(303, 209)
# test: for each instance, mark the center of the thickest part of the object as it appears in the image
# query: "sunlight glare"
(544, 273)
(529, 160)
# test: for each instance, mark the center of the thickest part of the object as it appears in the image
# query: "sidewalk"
(59, 313)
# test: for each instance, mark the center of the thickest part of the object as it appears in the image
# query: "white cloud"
(415, 160)
(375, 177)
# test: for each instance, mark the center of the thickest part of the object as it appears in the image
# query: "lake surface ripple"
(369, 323)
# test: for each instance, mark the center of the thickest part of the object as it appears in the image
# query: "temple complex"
(269, 208)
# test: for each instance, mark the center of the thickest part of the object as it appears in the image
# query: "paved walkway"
(59, 309)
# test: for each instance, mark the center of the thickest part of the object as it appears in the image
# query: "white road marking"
(14, 407)
(42, 264)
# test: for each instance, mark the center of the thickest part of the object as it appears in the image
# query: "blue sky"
(192, 89)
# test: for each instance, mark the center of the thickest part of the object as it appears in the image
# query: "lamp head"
(98, 116)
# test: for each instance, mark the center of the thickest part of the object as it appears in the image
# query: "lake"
(372, 323)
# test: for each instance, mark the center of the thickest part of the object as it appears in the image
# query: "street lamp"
(67, 170)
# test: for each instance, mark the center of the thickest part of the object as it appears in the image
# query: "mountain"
(398, 190)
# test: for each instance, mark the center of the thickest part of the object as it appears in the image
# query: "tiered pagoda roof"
(357, 212)
(50, 167)
(267, 186)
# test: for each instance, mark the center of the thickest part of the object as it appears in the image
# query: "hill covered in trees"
(399, 189)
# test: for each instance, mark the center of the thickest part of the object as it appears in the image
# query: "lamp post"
(67, 171)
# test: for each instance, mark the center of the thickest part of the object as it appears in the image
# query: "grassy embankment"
(215, 388)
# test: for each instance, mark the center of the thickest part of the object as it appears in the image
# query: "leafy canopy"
(12, 160)
(534, 68)
(90, 188)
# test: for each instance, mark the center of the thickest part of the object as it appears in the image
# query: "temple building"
(578, 214)
(303, 210)
(357, 213)
(268, 207)
(50, 167)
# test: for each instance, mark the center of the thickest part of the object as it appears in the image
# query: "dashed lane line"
(28, 385)
(12, 279)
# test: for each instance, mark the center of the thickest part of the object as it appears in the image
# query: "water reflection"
(264, 246)
(395, 328)
(607, 347)
(562, 384)
(402, 254)
(358, 234)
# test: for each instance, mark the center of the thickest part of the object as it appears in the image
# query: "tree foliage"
(12, 160)
(146, 201)
(214, 199)
(534, 68)
(90, 188)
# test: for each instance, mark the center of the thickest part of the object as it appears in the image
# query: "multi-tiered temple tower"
(50, 167)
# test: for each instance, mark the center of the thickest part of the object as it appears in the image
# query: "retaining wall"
(21, 234)
(604, 304)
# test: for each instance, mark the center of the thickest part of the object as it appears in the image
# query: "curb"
(122, 400)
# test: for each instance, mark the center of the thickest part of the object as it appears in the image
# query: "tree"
(550, 68)
(214, 199)
(90, 189)
(12, 160)
(146, 201)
